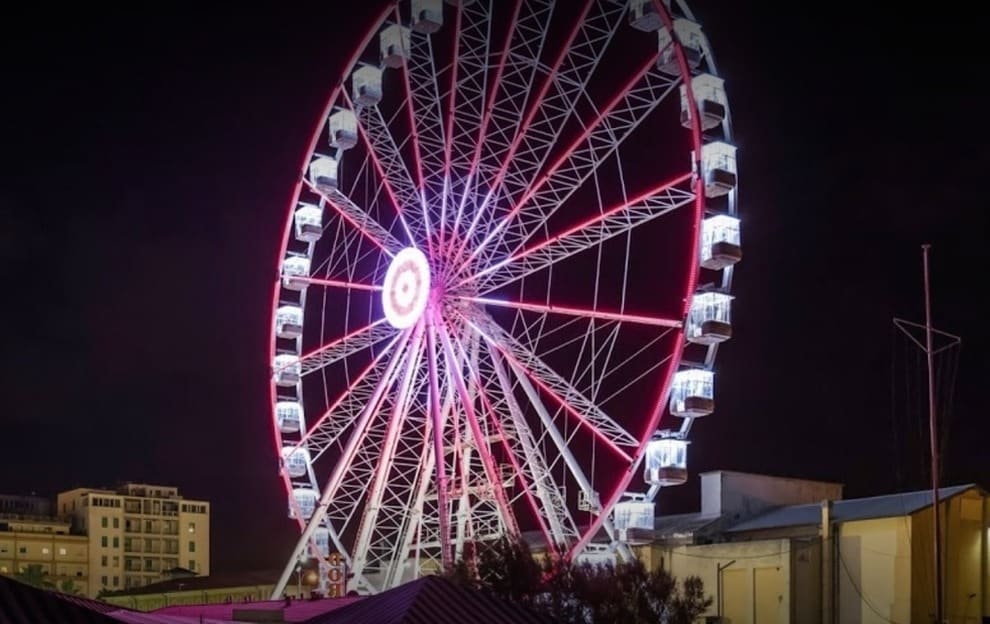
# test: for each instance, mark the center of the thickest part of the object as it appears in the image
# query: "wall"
(742, 495)
(873, 562)
(963, 541)
(806, 575)
(758, 584)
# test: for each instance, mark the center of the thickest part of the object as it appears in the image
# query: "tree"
(67, 586)
(569, 592)
(34, 574)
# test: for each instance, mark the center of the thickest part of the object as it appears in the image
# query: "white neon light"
(407, 288)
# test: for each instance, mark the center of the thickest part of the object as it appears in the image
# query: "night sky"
(148, 160)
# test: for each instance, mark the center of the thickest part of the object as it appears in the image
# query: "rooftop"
(890, 505)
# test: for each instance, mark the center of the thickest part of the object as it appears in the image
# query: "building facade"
(792, 551)
(27, 540)
(137, 533)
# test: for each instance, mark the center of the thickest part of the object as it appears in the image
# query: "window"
(45, 550)
(192, 546)
(23, 550)
(3, 569)
(103, 522)
(116, 542)
(116, 523)
(103, 561)
(63, 551)
(192, 527)
(103, 581)
(192, 565)
(116, 581)
(103, 543)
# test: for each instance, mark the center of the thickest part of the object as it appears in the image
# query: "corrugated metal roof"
(431, 600)
(847, 510)
(23, 604)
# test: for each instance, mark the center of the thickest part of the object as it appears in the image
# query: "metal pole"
(933, 437)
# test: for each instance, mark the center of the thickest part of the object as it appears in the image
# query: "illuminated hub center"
(407, 288)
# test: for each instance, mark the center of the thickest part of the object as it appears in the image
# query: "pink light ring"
(276, 286)
(690, 286)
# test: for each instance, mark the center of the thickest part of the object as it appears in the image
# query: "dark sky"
(148, 159)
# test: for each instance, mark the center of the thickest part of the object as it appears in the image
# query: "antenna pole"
(933, 437)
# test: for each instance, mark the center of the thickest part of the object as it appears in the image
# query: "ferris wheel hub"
(406, 289)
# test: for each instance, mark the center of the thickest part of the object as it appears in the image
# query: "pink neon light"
(340, 399)
(660, 188)
(449, 130)
(336, 283)
(489, 107)
(486, 457)
(527, 122)
(533, 189)
(376, 162)
(417, 160)
(582, 312)
(567, 406)
(441, 469)
(690, 286)
(286, 232)
(515, 465)
(342, 339)
(346, 217)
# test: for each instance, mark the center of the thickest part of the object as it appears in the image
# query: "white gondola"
(294, 267)
(394, 45)
(305, 499)
(666, 462)
(643, 16)
(309, 222)
(323, 173)
(709, 321)
(692, 41)
(321, 536)
(366, 85)
(718, 163)
(692, 393)
(288, 322)
(295, 460)
(720, 246)
(633, 514)
(286, 369)
(427, 16)
(343, 130)
(289, 416)
(709, 93)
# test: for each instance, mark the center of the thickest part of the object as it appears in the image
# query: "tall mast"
(933, 438)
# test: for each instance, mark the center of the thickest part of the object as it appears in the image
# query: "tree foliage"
(569, 592)
(34, 574)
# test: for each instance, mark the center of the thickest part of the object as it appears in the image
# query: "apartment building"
(27, 540)
(138, 533)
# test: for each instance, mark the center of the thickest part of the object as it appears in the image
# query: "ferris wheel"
(507, 257)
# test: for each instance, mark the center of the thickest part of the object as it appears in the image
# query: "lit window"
(192, 527)
(62, 551)
(45, 550)
(3, 569)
